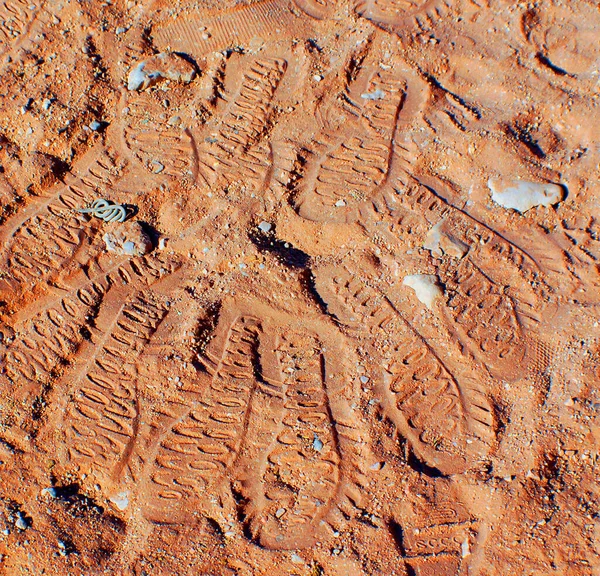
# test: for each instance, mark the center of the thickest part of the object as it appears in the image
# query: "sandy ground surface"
(349, 325)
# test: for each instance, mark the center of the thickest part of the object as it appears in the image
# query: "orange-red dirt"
(350, 324)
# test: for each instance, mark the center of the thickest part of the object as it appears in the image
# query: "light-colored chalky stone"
(521, 195)
(129, 239)
(165, 66)
(439, 242)
(120, 500)
(426, 286)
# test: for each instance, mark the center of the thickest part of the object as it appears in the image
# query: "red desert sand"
(299, 287)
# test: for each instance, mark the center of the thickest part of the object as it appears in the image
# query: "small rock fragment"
(157, 167)
(129, 239)
(41, 169)
(426, 287)
(21, 522)
(464, 548)
(521, 195)
(439, 242)
(120, 500)
(378, 94)
(164, 66)
(317, 444)
(265, 227)
(280, 512)
(96, 126)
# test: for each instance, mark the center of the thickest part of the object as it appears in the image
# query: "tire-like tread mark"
(213, 31)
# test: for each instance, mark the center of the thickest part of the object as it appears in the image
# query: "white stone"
(121, 500)
(317, 444)
(522, 195)
(128, 239)
(164, 66)
(265, 226)
(464, 548)
(378, 94)
(426, 286)
(137, 78)
(439, 242)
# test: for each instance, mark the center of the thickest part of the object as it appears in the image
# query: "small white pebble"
(121, 500)
(265, 226)
(340, 203)
(465, 548)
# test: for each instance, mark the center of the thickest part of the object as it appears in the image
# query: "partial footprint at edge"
(266, 423)
(439, 536)
(445, 415)
(401, 15)
(46, 237)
